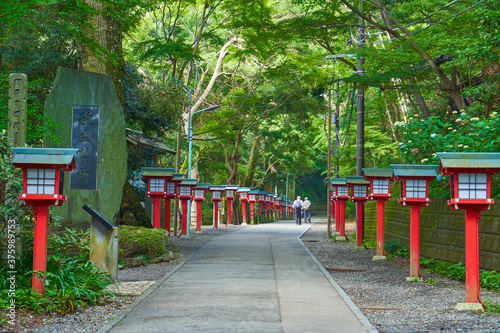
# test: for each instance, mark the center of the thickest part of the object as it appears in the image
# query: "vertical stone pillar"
(18, 107)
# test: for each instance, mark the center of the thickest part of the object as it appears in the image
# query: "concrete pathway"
(259, 279)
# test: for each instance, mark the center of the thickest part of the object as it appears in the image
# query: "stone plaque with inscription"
(84, 137)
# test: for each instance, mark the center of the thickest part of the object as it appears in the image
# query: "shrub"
(69, 283)
(137, 241)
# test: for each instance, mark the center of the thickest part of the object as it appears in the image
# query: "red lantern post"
(261, 199)
(341, 197)
(216, 191)
(269, 200)
(172, 183)
(230, 195)
(470, 185)
(414, 193)
(156, 188)
(359, 194)
(243, 192)
(43, 184)
(380, 190)
(252, 198)
(186, 188)
(199, 197)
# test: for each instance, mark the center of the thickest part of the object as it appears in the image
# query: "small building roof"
(359, 180)
(157, 172)
(43, 156)
(470, 160)
(378, 172)
(414, 170)
(136, 138)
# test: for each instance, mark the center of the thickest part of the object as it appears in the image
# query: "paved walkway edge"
(357, 312)
(123, 314)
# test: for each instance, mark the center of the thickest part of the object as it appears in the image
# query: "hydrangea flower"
(433, 135)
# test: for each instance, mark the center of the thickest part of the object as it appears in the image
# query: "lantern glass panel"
(40, 181)
(170, 188)
(416, 188)
(185, 191)
(342, 191)
(61, 182)
(243, 195)
(359, 191)
(230, 194)
(380, 186)
(199, 194)
(472, 185)
(216, 195)
(251, 197)
(156, 185)
(262, 197)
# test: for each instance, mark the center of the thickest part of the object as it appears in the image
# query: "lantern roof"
(469, 160)
(231, 187)
(217, 187)
(189, 182)
(43, 156)
(203, 186)
(262, 192)
(356, 180)
(414, 170)
(243, 189)
(177, 176)
(338, 181)
(157, 172)
(254, 192)
(378, 172)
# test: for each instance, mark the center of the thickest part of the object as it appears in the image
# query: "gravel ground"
(395, 304)
(414, 306)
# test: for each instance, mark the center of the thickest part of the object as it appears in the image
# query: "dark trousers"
(298, 216)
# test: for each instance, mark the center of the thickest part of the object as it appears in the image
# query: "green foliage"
(69, 283)
(461, 132)
(70, 241)
(10, 183)
(134, 241)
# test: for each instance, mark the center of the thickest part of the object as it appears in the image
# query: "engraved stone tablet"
(84, 138)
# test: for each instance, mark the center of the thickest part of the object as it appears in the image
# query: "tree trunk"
(252, 163)
(108, 34)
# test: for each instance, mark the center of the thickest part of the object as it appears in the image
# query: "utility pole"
(177, 169)
(360, 139)
(328, 184)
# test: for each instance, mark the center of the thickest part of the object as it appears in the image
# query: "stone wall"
(442, 234)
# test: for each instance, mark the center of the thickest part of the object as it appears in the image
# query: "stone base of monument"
(469, 307)
(376, 258)
(341, 239)
(103, 243)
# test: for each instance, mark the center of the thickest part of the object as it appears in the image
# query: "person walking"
(307, 210)
(297, 205)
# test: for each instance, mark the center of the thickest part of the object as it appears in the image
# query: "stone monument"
(18, 106)
(87, 107)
